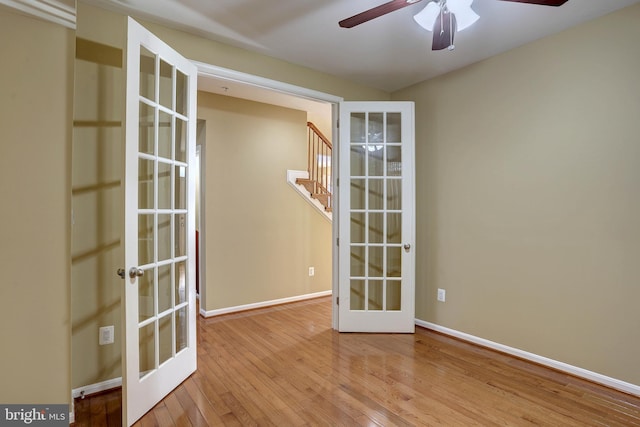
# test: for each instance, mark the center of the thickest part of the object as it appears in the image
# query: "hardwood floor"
(285, 366)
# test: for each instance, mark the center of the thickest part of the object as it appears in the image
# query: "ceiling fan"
(443, 17)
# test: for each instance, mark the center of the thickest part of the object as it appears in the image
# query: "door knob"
(407, 247)
(135, 272)
(122, 273)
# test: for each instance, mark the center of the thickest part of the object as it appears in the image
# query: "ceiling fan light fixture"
(465, 16)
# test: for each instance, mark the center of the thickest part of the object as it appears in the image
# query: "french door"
(159, 290)
(376, 223)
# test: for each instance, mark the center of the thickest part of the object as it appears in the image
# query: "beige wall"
(35, 121)
(261, 236)
(528, 210)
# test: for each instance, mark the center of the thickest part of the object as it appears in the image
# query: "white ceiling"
(389, 53)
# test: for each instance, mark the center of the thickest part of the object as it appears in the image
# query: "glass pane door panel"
(165, 135)
(376, 228)
(146, 184)
(358, 127)
(166, 84)
(181, 329)
(165, 335)
(376, 165)
(146, 301)
(394, 294)
(182, 92)
(146, 242)
(358, 157)
(394, 227)
(394, 161)
(375, 297)
(146, 129)
(394, 261)
(181, 141)
(357, 261)
(376, 127)
(394, 194)
(164, 237)
(164, 288)
(375, 261)
(181, 235)
(394, 130)
(180, 282)
(358, 227)
(147, 74)
(164, 185)
(181, 187)
(376, 194)
(357, 295)
(358, 187)
(147, 348)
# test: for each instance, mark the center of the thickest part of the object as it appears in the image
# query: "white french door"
(376, 208)
(159, 290)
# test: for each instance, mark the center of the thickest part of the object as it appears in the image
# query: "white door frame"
(208, 70)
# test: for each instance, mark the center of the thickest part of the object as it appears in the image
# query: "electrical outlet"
(105, 335)
(312, 271)
(442, 295)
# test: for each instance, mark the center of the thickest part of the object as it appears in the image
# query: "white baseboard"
(96, 388)
(560, 366)
(227, 310)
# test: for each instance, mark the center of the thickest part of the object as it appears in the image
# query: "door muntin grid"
(162, 214)
(375, 215)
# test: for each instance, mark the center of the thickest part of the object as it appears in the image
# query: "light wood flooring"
(285, 366)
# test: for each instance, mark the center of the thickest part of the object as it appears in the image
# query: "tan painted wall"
(35, 151)
(528, 170)
(261, 235)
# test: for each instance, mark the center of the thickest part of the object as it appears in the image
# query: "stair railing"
(319, 165)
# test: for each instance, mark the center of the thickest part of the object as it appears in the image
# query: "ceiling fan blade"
(541, 2)
(375, 12)
(443, 31)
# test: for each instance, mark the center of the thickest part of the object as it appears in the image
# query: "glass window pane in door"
(376, 165)
(164, 185)
(394, 295)
(147, 348)
(394, 130)
(376, 228)
(181, 329)
(146, 303)
(394, 227)
(166, 84)
(375, 297)
(181, 141)
(182, 91)
(145, 239)
(146, 187)
(358, 194)
(375, 261)
(165, 338)
(376, 194)
(146, 129)
(164, 288)
(180, 282)
(358, 154)
(357, 296)
(376, 128)
(180, 235)
(358, 127)
(394, 261)
(165, 135)
(394, 160)
(164, 237)
(394, 194)
(181, 187)
(357, 261)
(358, 227)
(147, 74)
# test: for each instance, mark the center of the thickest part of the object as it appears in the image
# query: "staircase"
(318, 180)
